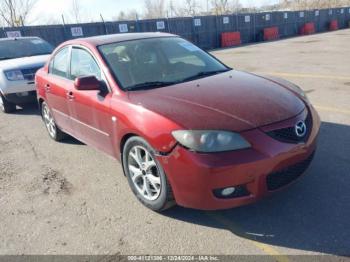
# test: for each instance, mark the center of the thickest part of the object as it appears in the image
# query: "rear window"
(10, 49)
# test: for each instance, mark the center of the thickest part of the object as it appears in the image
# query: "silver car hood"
(24, 62)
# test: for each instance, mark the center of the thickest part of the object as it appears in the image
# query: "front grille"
(288, 135)
(29, 73)
(284, 177)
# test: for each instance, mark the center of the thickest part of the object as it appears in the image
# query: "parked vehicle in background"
(20, 58)
(187, 129)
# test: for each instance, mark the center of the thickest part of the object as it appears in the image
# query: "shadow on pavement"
(69, 140)
(311, 215)
(32, 109)
(28, 109)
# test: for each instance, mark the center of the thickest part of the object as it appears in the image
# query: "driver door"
(90, 110)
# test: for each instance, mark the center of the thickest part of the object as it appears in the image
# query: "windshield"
(16, 48)
(158, 62)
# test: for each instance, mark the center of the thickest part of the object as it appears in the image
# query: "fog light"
(228, 191)
(231, 192)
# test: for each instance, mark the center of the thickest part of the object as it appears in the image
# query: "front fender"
(136, 120)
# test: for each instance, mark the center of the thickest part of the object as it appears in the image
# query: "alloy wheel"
(2, 107)
(144, 173)
(49, 121)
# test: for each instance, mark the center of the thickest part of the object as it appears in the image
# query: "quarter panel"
(57, 101)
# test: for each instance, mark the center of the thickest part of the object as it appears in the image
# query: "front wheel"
(145, 175)
(54, 132)
(6, 106)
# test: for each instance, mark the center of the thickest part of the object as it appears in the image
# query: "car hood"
(234, 101)
(24, 62)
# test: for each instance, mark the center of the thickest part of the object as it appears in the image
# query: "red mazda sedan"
(187, 129)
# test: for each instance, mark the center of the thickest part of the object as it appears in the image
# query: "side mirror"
(87, 83)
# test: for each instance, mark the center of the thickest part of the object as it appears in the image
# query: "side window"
(59, 64)
(83, 64)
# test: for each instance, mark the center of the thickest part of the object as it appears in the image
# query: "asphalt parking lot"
(67, 198)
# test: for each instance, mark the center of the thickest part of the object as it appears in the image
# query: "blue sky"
(51, 10)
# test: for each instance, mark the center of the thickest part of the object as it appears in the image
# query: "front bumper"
(21, 97)
(19, 92)
(194, 177)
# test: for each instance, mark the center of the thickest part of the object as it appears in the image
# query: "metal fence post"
(217, 29)
(104, 24)
(254, 27)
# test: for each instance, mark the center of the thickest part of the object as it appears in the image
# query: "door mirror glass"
(87, 83)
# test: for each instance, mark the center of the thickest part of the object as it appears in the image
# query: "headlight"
(14, 75)
(210, 141)
(298, 90)
(302, 93)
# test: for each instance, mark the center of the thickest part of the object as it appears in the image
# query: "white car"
(20, 58)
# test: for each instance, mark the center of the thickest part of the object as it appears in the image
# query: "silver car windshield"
(158, 62)
(16, 48)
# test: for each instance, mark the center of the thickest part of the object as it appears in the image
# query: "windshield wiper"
(204, 74)
(150, 85)
(159, 84)
(5, 58)
(37, 54)
(44, 53)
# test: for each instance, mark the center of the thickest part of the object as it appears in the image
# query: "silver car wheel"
(49, 121)
(144, 173)
(2, 103)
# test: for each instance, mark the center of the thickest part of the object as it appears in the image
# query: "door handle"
(47, 88)
(70, 95)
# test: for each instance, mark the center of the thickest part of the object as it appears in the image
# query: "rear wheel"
(146, 176)
(54, 132)
(6, 106)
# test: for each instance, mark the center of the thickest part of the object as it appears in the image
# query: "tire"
(54, 131)
(6, 106)
(151, 186)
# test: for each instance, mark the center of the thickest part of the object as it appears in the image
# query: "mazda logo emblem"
(300, 129)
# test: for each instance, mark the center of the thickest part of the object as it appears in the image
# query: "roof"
(115, 38)
(18, 38)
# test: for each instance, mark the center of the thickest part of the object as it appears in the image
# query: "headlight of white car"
(207, 141)
(14, 75)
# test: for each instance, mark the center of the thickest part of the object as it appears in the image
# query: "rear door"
(90, 110)
(56, 87)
